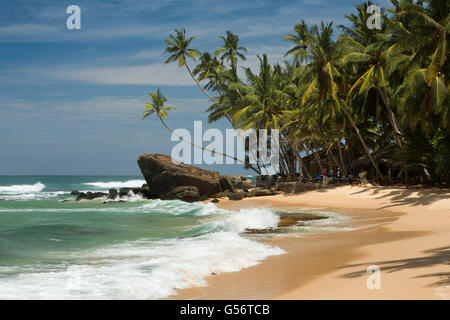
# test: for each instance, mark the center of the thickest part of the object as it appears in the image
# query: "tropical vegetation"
(347, 93)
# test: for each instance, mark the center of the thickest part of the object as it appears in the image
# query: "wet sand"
(405, 232)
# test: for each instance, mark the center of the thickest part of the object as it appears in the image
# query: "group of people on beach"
(339, 176)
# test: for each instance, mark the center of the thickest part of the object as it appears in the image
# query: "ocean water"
(140, 249)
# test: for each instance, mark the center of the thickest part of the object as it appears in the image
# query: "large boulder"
(163, 175)
(184, 193)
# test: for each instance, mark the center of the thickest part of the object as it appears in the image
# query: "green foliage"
(369, 90)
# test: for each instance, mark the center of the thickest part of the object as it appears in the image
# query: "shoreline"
(412, 249)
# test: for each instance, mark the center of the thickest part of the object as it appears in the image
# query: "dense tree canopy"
(348, 92)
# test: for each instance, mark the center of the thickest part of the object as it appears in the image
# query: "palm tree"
(231, 50)
(420, 44)
(365, 50)
(178, 46)
(323, 75)
(157, 106)
(301, 38)
(368, 91)
(209, 69)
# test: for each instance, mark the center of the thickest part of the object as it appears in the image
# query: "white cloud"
(144, 74)
(150, 74)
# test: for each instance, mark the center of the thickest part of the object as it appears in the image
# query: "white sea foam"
(22, 188)
(116, 184)
(130, 197)
(154, 269)
(252, 218)
(142, 269)
(31, 196)
(149, 269)
(177, 207)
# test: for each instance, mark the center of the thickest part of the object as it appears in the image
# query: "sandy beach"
(406, 234)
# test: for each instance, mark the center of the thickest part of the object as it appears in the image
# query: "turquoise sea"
(139, 249)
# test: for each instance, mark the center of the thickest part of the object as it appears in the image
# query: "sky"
(71, 100)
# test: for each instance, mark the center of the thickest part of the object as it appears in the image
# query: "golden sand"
(409, 241)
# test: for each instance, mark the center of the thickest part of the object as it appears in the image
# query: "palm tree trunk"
(197, 82)
(366, 149)
(317, 156)
(258, 169)
(300, 163)
(317, 159)
(199, 147)
(210, 98)
(392, 118)
(341, 158)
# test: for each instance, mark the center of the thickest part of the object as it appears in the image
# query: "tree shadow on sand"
(433, 257)
(410, 196)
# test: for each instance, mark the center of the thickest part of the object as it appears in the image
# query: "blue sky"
(71, 100)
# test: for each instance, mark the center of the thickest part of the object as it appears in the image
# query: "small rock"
(237, 196)
(215, 201)
(110, 202)
(294, 218)
(145, 191)
(223, 194)
(90, 195)
(81, 196)
(124, 192)
(113, 194)
(259, 192)
(225, 184)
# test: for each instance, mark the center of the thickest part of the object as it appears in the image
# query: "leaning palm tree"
(157, 106)
(230, 50)
(178, 47)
